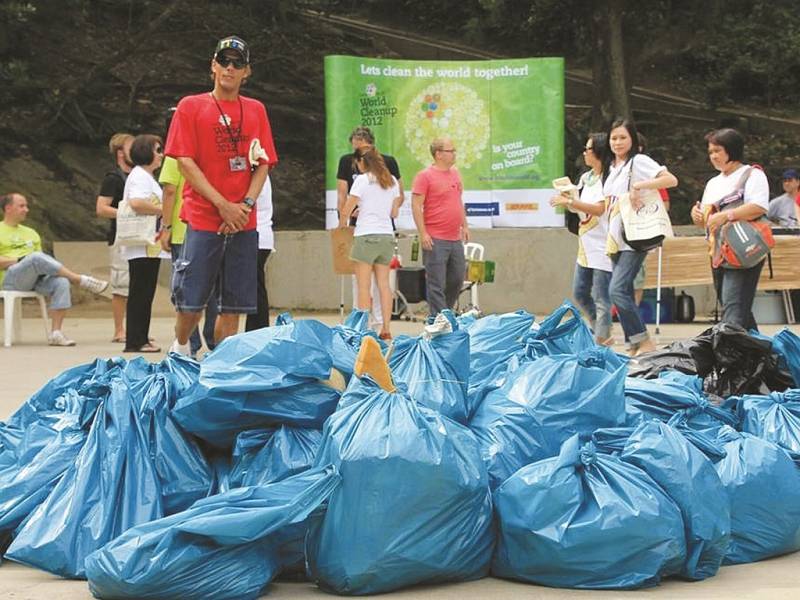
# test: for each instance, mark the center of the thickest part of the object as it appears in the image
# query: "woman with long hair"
(628, 171)
(736, 288)
(144, 196)
(377, 195)
(593, 266)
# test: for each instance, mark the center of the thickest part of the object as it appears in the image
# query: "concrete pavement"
(25, 367)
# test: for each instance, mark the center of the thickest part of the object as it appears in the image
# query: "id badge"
(237, 164)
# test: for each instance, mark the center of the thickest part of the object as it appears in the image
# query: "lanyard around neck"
(226, 121)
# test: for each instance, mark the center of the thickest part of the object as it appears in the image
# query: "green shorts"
(372, 249)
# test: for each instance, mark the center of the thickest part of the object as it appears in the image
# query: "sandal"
(118, 340)
(148, 348)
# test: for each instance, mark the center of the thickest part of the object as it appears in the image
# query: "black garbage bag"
(729, 359)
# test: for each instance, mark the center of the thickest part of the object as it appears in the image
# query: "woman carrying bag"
(739, 194)
(593, 266)
(143, 196)
(628, 172)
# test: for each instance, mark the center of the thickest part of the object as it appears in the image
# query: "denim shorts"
(373, 248)
(208, 259)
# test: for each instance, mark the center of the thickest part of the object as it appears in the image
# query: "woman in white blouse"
(593, 266)
(628, 172)
(736, 288)
(143, 194)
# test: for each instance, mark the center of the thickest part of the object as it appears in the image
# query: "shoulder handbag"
(134, 229)
(645, 228)
(740, 244)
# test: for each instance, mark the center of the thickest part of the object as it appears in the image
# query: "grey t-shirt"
(781, 211)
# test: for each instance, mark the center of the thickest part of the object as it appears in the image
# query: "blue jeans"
(590, 290)
(36, 272)
(736, 290)
(195, 343)
(626, 265)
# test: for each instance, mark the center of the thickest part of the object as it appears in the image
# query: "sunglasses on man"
(224, 61)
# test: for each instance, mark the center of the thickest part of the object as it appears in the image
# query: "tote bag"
(645, 228)
(134, 229)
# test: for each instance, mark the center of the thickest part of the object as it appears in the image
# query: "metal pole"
(658, 294)
(341, 297)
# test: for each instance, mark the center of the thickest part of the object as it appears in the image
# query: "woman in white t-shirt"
(377, 195)
(736, 288)
(593, 266)
(628, 171)
(143, 194)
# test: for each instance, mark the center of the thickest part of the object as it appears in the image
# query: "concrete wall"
(534, 270)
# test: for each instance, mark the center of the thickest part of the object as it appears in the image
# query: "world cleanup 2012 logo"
(375, 109)
(452, 110)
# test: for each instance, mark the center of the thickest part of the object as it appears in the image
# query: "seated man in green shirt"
(24, 267)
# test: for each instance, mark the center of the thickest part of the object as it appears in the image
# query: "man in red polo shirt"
(442, 223)
(223, 144)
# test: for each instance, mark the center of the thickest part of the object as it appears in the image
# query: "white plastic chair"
(12, 314)
(472, 251)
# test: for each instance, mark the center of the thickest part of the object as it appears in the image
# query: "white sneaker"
(57, 338)
(178, 348)
(94, 285)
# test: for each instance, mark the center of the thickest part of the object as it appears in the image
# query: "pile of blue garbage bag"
(509, 447)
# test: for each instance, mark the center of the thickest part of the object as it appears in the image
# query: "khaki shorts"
(119, 279)
(372, 249)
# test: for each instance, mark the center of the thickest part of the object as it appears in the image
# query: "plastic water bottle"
(415, 249)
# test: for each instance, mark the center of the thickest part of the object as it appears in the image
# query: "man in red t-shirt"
(442, 223)
(223, 144)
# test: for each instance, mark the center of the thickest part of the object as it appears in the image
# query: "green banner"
(506, 117)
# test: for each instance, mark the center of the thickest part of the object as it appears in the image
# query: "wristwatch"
(249, 202)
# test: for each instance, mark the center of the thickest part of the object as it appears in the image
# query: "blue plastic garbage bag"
(414, 505)
(787, 345)
(269, 359)
(111, 487)
(562, 336)
(663, 398)
(346, 340)
(543, 403)
(435, 371)
(184, 474)
(493, 340)
(775, 418)
(263, 456)
(585, 519)
(693, 382)
(42, 439)
(58, 395)
(687, 477)
(228, 546)
(262, 378)
(763, 486)
(183, 371)
(42, 456)
(217, 416)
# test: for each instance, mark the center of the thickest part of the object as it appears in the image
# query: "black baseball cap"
(790, 174)
(233, 42)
